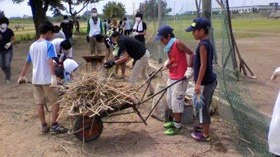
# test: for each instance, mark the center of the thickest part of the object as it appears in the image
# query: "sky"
(19, 10)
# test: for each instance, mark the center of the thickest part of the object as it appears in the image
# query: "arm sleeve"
(144, 26)
(101, 26)
(51, 51)
(70, 53)
(28, 59)
(122, 47)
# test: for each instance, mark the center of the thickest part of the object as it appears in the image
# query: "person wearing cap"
(139, 28)
(63, 49)
(204, 77)
(41, 54)
(64, 72)
(95, 31)
(179, 64)
(131, 48)
(6, 48)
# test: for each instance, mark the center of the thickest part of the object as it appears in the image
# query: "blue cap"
(199, 23)
(163, 30)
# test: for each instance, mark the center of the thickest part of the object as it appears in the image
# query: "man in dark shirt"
(67, 27)
(6, 48)
(130, 47)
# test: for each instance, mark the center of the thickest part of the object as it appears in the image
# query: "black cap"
(199, 23)
(163, 30)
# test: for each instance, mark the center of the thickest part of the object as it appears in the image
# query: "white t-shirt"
(39, 53)
(94, 29)
(56, 42)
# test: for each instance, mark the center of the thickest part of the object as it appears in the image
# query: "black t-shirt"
(141, 37)
(67, 28)
(134, 48)
(5, 37)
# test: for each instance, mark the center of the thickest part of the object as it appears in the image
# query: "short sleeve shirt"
(141, 37)
(5, 37)
(39, 54)
(134, 48)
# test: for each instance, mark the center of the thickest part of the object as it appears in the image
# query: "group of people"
(97, 34)
(182, 64)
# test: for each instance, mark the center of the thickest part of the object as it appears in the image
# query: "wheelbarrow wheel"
(87, 129)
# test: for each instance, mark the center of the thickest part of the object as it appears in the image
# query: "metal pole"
(207, 13)
(159, 24)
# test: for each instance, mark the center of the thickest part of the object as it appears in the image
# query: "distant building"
(272, 7)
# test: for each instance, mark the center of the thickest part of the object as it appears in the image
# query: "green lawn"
(249, 27)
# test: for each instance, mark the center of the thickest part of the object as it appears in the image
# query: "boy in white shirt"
(41, 54)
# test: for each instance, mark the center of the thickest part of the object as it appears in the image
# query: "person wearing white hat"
(64, 73)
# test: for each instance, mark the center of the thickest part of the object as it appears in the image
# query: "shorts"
(42, 93)
(203, 114)
(176, 95)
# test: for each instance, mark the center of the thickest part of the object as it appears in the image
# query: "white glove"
(135, 34)
(22, 79)
(9, 44)
(166, 63)
(53, 81)
(189, 72)
(275, 74)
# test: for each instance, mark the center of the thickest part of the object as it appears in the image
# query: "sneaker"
(45, 129)
(200, 137)
(168, 125)
(8, 81)
(57, 129)
(173, 131)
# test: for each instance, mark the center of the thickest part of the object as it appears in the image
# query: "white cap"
(70, 65)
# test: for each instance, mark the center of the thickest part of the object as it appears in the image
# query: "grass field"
(243, 27)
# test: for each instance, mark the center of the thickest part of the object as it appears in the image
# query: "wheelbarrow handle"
(150, 77)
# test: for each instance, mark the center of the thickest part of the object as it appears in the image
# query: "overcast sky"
(15, 10)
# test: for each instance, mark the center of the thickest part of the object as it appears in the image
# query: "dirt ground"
(20, 127)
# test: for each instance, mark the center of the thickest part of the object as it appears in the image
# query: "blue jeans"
(5, 62)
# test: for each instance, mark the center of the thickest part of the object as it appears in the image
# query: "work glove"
(275, 74)
(22, 80)
(198, 101)
(109, 64)
(53, 81)
(87, 39)
(134, 34)
(189, 72)
(9, 44)
(166, 64)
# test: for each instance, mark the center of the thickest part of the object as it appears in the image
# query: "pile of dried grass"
(91, 95)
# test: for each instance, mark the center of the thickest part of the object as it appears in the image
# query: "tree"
(39, 9)
(150, 8)
(113, 8)
(73, 3)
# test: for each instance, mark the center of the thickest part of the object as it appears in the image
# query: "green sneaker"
(173, 131)
(168, 125)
